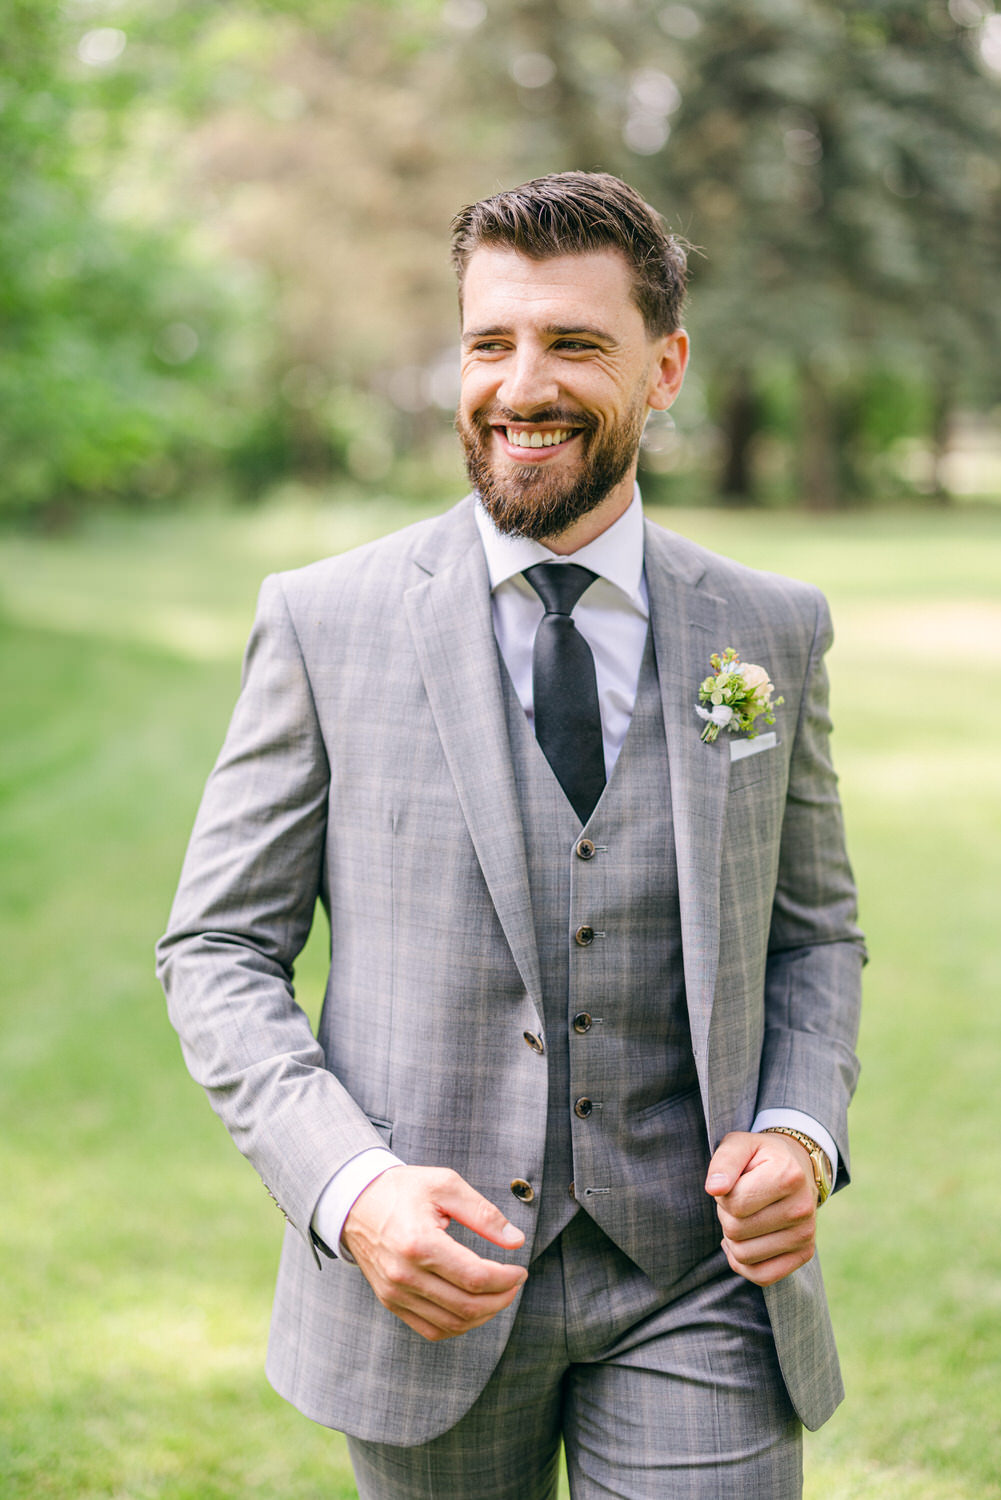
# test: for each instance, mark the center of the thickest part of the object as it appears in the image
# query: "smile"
(538, 439)
(535, 444)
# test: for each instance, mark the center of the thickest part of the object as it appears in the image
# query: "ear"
(671, 361)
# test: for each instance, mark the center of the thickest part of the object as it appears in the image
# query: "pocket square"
(740, 748)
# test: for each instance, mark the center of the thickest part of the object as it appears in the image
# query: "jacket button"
(523, 1190)
(585, 849)
(535, 1042)
(581, 1022)
(584, 935)
(583, 1108)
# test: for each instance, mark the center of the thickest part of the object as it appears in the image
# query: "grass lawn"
(139, 1250)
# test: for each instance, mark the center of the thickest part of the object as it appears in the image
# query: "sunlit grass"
(139, 1252)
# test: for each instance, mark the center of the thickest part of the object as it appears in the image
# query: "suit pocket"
(754, 769)
(661, 1107)
(384, 1127)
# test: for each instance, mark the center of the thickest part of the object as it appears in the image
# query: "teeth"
(537, 439)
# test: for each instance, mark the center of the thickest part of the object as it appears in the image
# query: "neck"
(614, 505)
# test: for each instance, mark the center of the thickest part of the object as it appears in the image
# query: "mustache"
(494, 416)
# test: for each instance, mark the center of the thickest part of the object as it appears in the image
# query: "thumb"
(729, 1161)
(464, 1204)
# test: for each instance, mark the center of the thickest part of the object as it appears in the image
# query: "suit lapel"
(450, 620)
(688, 623)
(451, 624)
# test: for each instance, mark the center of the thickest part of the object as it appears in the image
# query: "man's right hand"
(396, 1231)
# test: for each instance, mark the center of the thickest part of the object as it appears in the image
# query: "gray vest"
(626, 1135)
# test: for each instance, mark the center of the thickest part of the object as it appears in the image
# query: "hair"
(575, 213)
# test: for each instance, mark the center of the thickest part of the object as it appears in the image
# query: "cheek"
(474, 392)
(600, 394)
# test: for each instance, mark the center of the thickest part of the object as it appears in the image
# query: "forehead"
(504, 288)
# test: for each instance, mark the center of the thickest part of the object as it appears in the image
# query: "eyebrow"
(553, 330)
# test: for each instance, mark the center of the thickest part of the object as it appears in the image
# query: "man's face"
(558, 375)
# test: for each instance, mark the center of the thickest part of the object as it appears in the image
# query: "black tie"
(564, 689)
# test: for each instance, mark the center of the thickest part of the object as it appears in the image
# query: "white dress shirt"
(612, 615)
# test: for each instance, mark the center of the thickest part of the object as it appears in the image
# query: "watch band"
(822, 1174)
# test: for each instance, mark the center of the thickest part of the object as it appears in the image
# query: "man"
(584, 980)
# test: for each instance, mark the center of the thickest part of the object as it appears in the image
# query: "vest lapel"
(688, 624)
(450, 621)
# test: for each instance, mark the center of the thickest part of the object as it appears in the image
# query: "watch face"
(823, 1173)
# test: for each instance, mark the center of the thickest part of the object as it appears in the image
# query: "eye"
(574, 346)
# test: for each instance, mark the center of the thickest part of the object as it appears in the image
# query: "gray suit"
(369, 762)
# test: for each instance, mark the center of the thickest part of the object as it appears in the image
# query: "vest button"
(584, 935)
(572, 1191)
(581, 1022)
(585, 849)
(583, 1108)
(523, 1190)
(535, 1042)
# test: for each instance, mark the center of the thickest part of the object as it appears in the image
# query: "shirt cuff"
(795, 1119)
(342, 1192)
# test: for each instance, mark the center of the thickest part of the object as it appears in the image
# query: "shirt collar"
(616, 555)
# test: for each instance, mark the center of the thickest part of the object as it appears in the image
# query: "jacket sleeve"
(242, 913)
(815, 949)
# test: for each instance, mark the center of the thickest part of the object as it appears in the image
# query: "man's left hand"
(766, 1199)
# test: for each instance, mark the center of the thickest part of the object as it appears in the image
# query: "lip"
(532, 455)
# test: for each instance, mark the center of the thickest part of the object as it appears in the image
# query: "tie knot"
(559, 585)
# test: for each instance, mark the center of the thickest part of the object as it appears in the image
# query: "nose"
(529, 383)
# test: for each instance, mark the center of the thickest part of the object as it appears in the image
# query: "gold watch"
(822, 1174)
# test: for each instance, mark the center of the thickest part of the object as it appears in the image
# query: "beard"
(535, 500)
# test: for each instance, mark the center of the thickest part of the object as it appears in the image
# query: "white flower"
(756, 679)
(720, 716)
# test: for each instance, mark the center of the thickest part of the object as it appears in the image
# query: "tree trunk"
(818, 459)
(941, 432)
(740, 426)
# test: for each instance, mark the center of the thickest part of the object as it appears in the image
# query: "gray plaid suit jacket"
(367, 763)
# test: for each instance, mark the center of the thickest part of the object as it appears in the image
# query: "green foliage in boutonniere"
(736, 695)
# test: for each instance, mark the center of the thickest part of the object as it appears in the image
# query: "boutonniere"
(736, 694)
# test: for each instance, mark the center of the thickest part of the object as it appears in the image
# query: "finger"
(771, 1179)
(729, 1162)
(441, 1309)
(769, 1246)
(402, 1217)
(787, 1213)
(454, 1317)
(432, 1331)
(435, 1267)
(456, 1198)
(766, 1272)
(420, 1325)
(428, 1250)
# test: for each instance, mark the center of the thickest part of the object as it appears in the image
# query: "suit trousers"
(653, 1394)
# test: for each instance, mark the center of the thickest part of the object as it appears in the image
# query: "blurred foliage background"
(223, 236)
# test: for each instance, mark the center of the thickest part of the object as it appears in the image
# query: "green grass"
(139, 1251)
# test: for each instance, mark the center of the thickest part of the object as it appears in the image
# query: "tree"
(119, 331)
(838, 163)
(222, 249)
